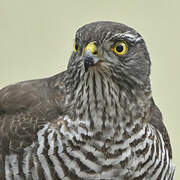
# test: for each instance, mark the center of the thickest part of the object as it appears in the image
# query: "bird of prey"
(96, 120)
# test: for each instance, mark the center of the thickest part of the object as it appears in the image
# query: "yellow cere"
(92, 47)
(120, 48)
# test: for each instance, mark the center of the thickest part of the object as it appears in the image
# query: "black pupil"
(76, 47)
(119, 48)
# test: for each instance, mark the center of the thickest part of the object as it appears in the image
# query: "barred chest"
(67, 151)
(101, 138)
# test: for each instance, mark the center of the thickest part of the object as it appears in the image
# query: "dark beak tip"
(88, 61)
(86, 66)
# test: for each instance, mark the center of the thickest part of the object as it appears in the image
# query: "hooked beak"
(90, 56)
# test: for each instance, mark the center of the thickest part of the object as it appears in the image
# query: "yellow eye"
(120, 48)
(75, 47)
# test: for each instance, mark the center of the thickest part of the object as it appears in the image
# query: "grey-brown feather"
(157, 121)
(103, 102)
(24, 108)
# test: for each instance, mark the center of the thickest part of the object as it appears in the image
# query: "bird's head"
(113, 48)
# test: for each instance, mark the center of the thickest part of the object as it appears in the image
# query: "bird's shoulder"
(34, 95)
(25, 107)
(157, 122)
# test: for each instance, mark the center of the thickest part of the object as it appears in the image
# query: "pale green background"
(36, 38)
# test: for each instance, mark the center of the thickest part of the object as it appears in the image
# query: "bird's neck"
(100, 104)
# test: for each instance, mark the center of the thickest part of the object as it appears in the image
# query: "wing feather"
(157, 121)
(25, 107)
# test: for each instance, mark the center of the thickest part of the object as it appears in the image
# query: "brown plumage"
(96, 120)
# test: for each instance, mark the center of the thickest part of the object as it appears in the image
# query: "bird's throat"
(102, 105)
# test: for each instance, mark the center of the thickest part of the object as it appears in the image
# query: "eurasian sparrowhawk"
(96, 120)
